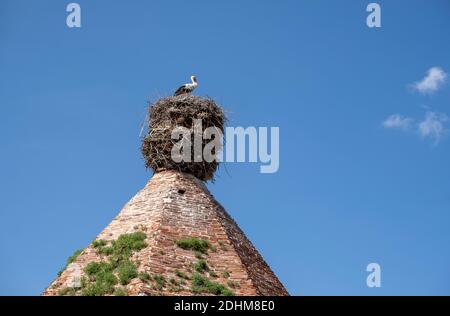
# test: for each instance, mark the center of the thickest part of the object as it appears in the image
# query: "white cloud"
(433, 126)
(397, 121)
(434, 79)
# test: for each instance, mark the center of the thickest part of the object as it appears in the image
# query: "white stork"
(188, 87)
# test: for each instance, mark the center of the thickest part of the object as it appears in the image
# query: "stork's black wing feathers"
(180, 90)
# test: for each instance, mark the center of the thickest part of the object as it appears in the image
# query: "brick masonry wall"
(173, 206)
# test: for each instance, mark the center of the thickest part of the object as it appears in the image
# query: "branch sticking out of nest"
(168, 113)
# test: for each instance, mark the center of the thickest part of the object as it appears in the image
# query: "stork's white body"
(188, 87)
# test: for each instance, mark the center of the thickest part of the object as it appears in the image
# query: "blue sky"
(356, 184)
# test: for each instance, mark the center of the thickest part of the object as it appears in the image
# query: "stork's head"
(194, 79)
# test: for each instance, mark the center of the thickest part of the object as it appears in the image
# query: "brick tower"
(171, 238)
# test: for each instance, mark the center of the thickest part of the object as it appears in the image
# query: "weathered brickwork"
(173, 206)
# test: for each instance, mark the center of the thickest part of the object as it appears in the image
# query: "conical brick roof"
(174, 207)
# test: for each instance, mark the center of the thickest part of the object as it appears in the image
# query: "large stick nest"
(168, 113)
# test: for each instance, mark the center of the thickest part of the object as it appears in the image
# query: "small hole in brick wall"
(181, 191)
